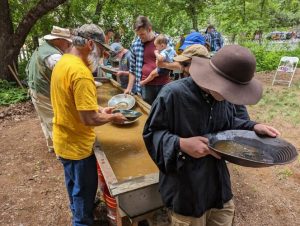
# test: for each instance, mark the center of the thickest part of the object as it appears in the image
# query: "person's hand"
(156, 51)
(196, 147)
(107, 110)
(142, 83)
(263, 129)
(160, 58)
(118, 118)
(127, 91)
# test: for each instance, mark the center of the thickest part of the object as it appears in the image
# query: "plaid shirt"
(215, 40)
(137, 60)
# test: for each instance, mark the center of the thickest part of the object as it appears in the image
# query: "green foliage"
(10, 94)
(21, 69)
(237, 19)
(267, 59)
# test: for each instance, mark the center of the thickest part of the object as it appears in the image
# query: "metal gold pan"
(249, 149)
(122, 102)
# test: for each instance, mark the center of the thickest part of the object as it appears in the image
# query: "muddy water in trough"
(123, 144)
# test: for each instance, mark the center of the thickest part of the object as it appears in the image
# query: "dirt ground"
(32, 182)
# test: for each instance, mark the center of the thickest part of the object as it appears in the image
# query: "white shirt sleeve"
(51, 60)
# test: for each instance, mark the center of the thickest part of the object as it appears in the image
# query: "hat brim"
(205, 76)
(181, 58)
(107, 47)
(52, 37)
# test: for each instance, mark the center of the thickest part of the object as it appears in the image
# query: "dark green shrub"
(10, 94)
(267, 58)
(21, 69)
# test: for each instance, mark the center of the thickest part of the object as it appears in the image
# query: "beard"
(93, 59)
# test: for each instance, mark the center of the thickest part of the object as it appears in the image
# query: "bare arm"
(131, 80)
(122, 73)
(150, 77)
(94, 118)
(171, 66)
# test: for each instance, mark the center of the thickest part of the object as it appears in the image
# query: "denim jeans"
(150, 92)
(81, 181)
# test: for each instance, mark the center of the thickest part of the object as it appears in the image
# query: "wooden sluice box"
(129, 172)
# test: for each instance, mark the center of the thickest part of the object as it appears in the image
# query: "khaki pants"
(43, 107)
(212, 217)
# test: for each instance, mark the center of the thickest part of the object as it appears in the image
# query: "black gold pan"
(131, 116)
(246, 148)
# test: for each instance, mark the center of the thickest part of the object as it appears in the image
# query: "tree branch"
(28, 21)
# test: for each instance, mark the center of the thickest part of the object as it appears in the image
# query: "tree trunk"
(7, 55)
(195, 22)
(10, 41)
(99, 7)
(244, 11)
(192, 11)
(262, 7)
(35, 41)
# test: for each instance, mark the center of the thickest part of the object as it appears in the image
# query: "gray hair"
(78, 41)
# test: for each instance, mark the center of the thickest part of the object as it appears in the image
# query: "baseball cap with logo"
(94, 32)
(116, 47)
(193, 50)
(59, 33)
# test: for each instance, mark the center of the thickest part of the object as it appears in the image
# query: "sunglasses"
(185, 63)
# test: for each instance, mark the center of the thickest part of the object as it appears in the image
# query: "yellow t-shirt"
(72, 90)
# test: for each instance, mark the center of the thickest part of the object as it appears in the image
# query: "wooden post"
(15, 76)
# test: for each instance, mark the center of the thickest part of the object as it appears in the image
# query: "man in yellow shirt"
(76, 112)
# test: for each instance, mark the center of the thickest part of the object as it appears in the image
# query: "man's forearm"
(171, 66)
(125, 73)
(131, 80)
(93, 118)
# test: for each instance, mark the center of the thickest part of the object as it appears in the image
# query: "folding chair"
(286, 67)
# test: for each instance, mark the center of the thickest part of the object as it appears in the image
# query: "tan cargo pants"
(43, 107)
(212, 217)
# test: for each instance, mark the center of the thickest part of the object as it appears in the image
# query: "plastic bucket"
(111, 204)
(101, 181)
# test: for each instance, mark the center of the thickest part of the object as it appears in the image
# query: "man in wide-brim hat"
(194, 182)
(183, 61)
(39, 71)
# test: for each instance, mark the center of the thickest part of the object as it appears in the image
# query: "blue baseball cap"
(116, 47)
(192, 39)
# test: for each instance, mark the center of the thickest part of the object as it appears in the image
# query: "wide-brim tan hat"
(230, 73)
(193, 50)
(59, 33)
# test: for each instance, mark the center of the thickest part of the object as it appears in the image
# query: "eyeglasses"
(185, 63)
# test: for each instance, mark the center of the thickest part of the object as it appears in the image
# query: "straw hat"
(59, 33)
(193, 50)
